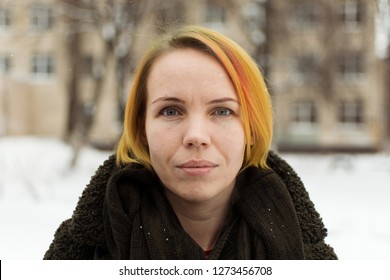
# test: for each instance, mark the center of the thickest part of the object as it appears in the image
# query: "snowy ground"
(38, 191)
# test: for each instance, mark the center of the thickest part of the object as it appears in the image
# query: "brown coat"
(123, 214)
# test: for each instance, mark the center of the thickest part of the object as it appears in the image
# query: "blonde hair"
(244, 74)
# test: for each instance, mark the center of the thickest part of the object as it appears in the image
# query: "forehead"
(187, 70)
(184, 59)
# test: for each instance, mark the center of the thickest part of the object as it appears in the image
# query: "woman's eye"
(169, 112)
(223, 112)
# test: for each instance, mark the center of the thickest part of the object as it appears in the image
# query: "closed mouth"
(197, 167)
(197, 164)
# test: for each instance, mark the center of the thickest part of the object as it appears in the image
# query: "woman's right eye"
(169, 112)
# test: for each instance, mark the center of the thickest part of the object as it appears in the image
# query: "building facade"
(36, 66)
(31, 66)
(327, 83)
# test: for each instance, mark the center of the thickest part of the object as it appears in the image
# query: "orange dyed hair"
(252, 93)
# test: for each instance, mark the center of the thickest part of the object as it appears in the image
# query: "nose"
(196, 134)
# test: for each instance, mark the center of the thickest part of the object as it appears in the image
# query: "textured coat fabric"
(123, 214)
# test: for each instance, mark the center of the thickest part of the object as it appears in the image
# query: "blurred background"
(66, 67)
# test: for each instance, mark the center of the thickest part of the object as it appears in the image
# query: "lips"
(197, 167)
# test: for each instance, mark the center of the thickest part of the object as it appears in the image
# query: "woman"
(193, 177)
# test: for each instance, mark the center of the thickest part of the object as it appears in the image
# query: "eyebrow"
(222, 100)
(178, 100)
(168, 99)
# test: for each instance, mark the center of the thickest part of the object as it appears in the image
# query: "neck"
(202, 221)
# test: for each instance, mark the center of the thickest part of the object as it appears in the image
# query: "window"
(41, 17)
(5, 18)
(304, 112)
(42, 66)
(352, 13)
(305, 68)
(87, 65)
(351, 112)
(5, 64)
(351, 66)
(215, 13)
(305, 15)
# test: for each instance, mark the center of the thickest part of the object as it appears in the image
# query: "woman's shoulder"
(311, 224)
(288, 175)
(86, 221)
(95, 190)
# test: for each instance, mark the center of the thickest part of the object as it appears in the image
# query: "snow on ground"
(38, 191)
(352, 194)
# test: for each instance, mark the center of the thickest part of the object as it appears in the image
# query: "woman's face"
(193, 128)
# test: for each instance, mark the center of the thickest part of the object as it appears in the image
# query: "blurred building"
(36, 65)
(328, 86)
(32, 90)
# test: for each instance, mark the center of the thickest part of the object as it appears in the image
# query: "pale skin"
(195, 138)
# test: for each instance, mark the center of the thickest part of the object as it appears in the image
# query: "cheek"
(233, 145)
(154, 141)
(160, 143)
(232, 137)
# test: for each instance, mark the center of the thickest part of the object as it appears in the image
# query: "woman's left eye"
(223, 112)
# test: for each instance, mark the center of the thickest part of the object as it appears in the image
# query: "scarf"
(140, 224)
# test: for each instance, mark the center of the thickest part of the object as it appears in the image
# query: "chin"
(195, 197)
